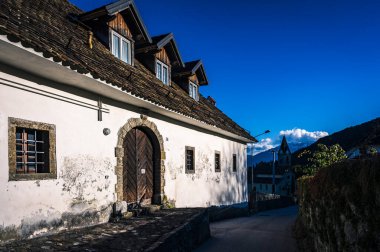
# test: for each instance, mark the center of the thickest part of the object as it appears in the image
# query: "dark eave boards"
(166, 41)
(45, 26)
(191, 68)
(119, 7)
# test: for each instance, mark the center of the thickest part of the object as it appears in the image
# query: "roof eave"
(92, 84)
(113, 9)
(170, 39)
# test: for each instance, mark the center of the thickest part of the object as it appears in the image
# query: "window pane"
(31, 147)
(189, 160)
(217, 161)
(116, 46)
(19, 147)
(191, 90)
(19, 168)
(31, 136)
(31, 168)
(165, 75)
(125, 51)
(159, 71)
(234, 163)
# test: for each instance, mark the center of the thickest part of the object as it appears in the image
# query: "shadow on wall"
(233, 184)
(235, 188)
(340, 205)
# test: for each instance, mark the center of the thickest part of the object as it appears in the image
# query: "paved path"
(135, 234)
(266, 231)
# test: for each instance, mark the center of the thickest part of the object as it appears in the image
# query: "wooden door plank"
(129, 174)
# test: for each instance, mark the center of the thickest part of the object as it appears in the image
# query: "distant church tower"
(284, 155)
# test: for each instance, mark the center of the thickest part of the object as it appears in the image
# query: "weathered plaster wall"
(84, 189)
(83, 192)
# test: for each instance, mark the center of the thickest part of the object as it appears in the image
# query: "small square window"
(31, 150)
(217, 161)
(162, 72)
(32, 147)
(234, 163)
(190, 160)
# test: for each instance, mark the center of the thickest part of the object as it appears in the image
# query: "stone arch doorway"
(140, 162)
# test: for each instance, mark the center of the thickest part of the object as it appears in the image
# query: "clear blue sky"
(279, 64)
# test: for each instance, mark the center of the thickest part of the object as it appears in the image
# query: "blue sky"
(276, 64)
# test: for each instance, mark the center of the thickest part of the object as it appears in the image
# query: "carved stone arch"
(151, 129)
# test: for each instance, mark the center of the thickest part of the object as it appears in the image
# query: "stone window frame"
(188, 171)
(119, 153)
(220, 163)
(14, 123)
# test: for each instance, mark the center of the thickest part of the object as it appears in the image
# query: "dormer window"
(121, 47)
(193, 90)
(162, 72)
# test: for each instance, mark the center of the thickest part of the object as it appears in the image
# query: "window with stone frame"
(234, 163)
(189, 159)
(31, 150)
(217, 162)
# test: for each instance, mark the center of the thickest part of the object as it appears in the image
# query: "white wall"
(86, 159)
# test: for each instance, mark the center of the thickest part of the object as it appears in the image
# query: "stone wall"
(340, 206)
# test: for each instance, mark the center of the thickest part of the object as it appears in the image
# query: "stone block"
(120, 208)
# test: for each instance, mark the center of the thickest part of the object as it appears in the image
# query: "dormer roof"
(66, 42)
(166, 41)
(128, 10)
(191, 68)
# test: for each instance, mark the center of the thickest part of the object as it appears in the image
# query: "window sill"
(30, 177)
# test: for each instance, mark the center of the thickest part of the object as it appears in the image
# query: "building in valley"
(93, 111)
(284, 177)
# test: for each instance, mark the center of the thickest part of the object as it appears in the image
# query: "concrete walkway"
(266, 231)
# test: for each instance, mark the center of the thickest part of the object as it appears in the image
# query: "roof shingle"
(44, 26)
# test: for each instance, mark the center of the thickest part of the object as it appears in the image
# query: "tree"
(372, 151)
(324, 156)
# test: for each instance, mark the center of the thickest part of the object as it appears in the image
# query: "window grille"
(190, 160)
(32, 150)
(234, 165)
(217, 162)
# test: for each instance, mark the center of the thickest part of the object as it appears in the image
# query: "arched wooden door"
(138, 167)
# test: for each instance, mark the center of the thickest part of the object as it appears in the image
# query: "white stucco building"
(94, 111)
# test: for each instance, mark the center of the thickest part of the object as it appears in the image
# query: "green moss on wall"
(340, 206)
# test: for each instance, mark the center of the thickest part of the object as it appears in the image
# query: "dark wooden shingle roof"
(45, 26)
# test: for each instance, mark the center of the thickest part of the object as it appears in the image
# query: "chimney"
(212, 100)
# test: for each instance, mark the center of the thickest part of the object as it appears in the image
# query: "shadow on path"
(266, 231)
